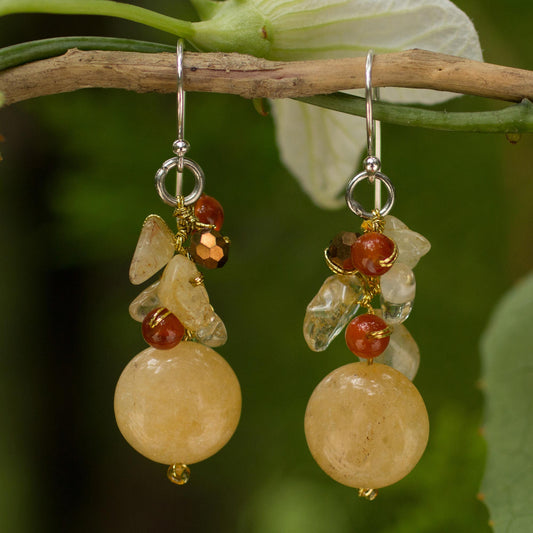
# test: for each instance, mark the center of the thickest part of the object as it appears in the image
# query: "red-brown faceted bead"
(161, 329)
(357, 336)
(209, 249)
(369, 250)
(209, 211)
(340, 249)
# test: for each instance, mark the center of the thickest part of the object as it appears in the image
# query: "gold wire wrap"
(198, 280)
(368, 494)
(381, 334)
(371, 288)
(389, 261)
(336, 269)
(187, 223)
(158, 317)
(189, 335)
(376, 223)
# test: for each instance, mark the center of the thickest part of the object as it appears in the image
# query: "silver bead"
(180, 147)
(372, 164)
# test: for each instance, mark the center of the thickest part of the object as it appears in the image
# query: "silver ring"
(356, 207)
(199, 181)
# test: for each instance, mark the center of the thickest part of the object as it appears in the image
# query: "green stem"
(18, 54)
(182, 28)
(513, 119)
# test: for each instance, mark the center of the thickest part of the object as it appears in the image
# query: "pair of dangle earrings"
(179, 402)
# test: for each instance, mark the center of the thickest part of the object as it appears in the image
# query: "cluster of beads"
(366, 424)
(178, 402)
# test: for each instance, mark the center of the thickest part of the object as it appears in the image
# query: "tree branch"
(251, 77)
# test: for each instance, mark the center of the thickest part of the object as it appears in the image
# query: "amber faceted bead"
(209, 211)
(359, 338)
(161, 329)
(373, 253)
(340, 249)
(209, 249)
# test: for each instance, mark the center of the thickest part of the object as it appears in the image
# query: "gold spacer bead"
(179, 473)
(368, 494)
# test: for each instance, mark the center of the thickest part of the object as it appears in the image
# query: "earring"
(179, 402)
(366, 424)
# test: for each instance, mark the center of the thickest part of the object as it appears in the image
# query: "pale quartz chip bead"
(393, 313)
(145, 302)
(181, 295)
(402, 353)
(411, 245)
(178, 406)
(330, 310)
(214, 333)
(398, 287)
(154, 249)
(366, 425)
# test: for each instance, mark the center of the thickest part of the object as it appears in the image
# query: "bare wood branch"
(251, 77)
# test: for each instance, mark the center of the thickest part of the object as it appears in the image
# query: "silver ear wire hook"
(372, 162)
(373, 130)
(180, 148)
(180, 93)
(369, 95)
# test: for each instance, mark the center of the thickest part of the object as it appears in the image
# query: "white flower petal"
(313, 29)
(322, 148)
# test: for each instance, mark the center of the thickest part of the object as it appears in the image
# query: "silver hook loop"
(180, 91)
(372, 164)
(369, 95)
(180, 145)
(180, 148)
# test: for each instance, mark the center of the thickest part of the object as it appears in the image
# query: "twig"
(254, 78)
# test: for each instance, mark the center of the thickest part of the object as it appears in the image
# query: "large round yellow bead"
(178, 406)
(366, 425)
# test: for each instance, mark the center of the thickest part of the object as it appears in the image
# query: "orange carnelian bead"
(161, 329)
(357, 336)
(209, 211)
(373, 253)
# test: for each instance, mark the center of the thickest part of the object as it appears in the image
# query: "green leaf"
(507, 349)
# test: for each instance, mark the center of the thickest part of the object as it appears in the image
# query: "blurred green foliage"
(77, 182)
(507, 387)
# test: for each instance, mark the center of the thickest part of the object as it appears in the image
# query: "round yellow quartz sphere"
(366, 425)
(178, 406)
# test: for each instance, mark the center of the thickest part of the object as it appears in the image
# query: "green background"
(75, 185)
